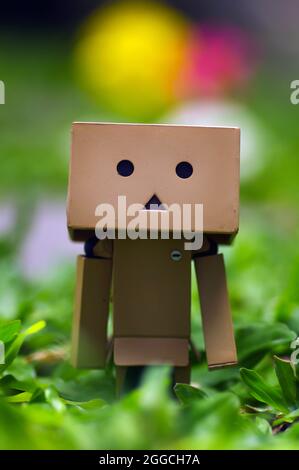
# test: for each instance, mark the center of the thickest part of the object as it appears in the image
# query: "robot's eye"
(125, 168)
(184, 170)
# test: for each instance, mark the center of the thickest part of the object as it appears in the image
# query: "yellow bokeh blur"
(129, 56)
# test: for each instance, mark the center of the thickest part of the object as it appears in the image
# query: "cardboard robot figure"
(151, 278)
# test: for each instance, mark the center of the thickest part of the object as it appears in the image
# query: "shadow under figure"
(130, 378)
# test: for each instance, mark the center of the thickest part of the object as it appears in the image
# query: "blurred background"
(196, 62)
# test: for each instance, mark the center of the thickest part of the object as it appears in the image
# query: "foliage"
(44, 402)
(282, 398)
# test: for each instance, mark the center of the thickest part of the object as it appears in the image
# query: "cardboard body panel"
(155, 150)
(150, 351)
(151, 291)
(103, 249)
(215, 310)
(89, 340)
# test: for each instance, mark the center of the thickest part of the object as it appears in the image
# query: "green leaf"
(22, 397)
(38, 396)
(9, 383)
(287, 380)
(15, 346)
(21, 369)
(263, 392)
(90, 385)
(188, 394)
(295, 358)
(87, 405)
(9, 330)
(54, 399)
(256, 340)
(35, 328)
(12, 351)
(224, 405)
(289, 418)
(263, 426)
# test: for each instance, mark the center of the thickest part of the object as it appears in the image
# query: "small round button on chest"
(176, 255)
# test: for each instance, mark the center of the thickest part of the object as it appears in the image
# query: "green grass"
(44, 402)
(53, 405)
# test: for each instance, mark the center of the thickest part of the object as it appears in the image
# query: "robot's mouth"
(154, 203)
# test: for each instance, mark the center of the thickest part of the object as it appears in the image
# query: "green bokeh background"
(58, 407)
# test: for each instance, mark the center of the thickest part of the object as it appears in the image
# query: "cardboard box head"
(154, 163)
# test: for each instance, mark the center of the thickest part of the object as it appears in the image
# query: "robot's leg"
(128, 378)
(182, 375)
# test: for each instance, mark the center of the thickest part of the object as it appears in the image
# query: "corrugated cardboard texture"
(155, 150)
(89, 341)
(146, 351)
(151, 292)
(215, 310)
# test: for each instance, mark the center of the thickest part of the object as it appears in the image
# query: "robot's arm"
(93, 283)
(215, 309)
